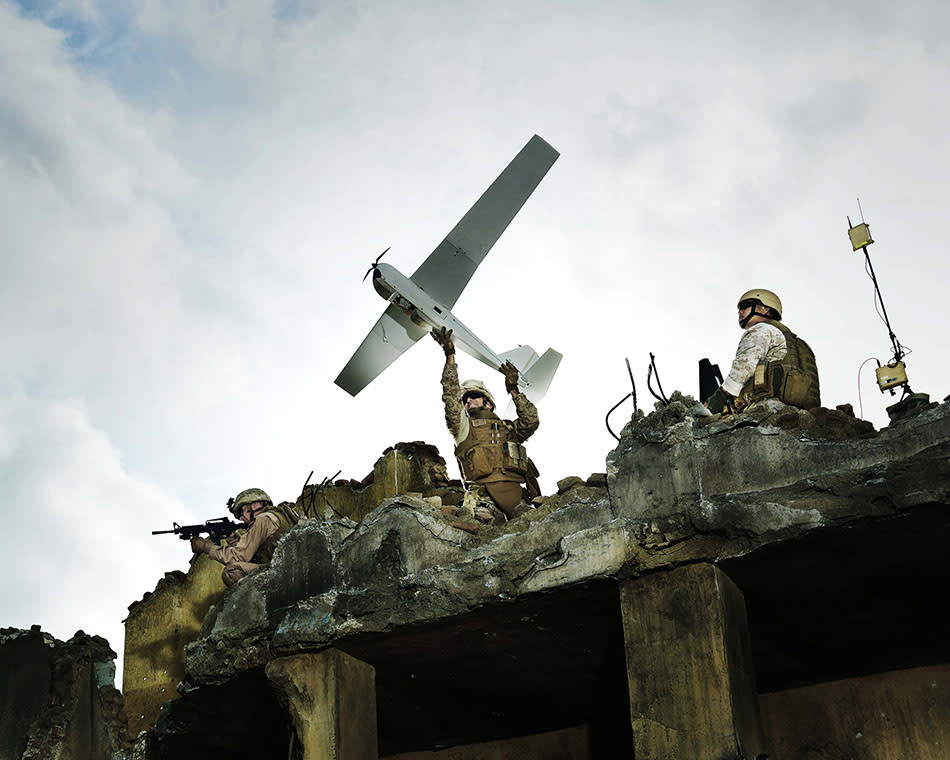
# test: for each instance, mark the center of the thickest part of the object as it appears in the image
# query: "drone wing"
(451, 265)
(392, 334)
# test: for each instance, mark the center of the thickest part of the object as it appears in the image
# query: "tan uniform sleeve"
(244, 550)
(761, 341)
(528, 420)
(455, 417)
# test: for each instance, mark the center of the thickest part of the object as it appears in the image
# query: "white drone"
(421, 303)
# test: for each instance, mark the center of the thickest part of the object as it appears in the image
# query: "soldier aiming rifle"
(248, 550)
(216, 528)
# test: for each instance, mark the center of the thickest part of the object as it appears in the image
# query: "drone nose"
(373, 265)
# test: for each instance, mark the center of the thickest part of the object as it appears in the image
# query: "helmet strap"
(255, 512)
(752, 313)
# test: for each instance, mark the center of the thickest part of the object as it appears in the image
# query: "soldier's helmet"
(476, 388)
(764, 297)
(250, 496)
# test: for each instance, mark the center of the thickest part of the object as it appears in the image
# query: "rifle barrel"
(214, 527)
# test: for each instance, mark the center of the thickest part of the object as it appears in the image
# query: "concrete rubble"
(679, 489)
(59, 699)
(721, 578)
(766, 506)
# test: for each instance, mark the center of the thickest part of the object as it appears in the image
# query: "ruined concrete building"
(58, 700)
(770, 584)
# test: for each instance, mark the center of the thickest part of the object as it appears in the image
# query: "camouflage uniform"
(255, 547)
(792, 375)
(761, 342)
(503, 486)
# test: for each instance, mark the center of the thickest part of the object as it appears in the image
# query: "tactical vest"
(792, 379)
(287, 517)
(490, 452)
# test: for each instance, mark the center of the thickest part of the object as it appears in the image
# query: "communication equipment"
(860, 235)
(890, 376)
(893, 374)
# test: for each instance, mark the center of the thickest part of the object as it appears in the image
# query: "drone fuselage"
(423, 310)
(422, 302)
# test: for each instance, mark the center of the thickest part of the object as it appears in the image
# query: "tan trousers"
(234, 571)
(507, 495)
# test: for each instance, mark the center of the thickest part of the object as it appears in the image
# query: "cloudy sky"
(191, 191)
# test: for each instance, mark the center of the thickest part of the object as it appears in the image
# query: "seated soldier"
(247, 550)
(771, 361)
(488, 448)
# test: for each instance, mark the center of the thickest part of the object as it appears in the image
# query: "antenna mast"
(893, 374)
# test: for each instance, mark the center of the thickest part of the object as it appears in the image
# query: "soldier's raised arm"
(451, 392)
(528, 420)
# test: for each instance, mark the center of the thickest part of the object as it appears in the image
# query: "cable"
(632, 393)
(633, 385)
(899, 350)
(651, 371)
(607, 418)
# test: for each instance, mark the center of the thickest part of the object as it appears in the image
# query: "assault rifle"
(216, 528)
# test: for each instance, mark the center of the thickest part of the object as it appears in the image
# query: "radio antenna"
(893, 374)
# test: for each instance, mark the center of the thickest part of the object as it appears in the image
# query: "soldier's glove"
(444, 338)
(718, 401)
(510, 371)
(201, 545)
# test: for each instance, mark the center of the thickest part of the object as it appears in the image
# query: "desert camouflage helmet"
(476, 386)
(764, 297)
(250, 496)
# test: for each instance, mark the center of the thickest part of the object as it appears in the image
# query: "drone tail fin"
(536, 373)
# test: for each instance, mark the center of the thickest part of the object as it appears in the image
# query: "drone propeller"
(374, 264)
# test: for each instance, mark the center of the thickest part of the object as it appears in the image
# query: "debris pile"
(410, 467)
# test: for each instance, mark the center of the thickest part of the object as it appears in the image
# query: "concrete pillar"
(331, 698)
(689, 666)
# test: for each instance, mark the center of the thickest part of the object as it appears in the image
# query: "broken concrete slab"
(522, 603)
(679, 492)
(670, 462)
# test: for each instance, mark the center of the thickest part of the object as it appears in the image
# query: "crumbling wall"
(405, 468)
(59, 701)
(532, 603)
(25, 668)
(156, 631)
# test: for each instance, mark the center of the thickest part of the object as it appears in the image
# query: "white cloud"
(76, 523)
(191, 192)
